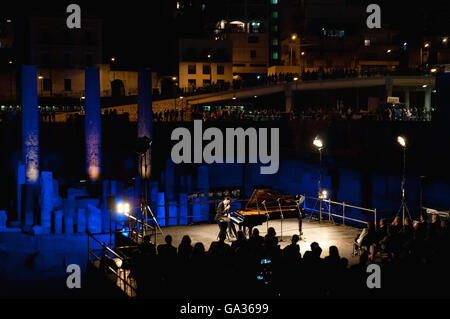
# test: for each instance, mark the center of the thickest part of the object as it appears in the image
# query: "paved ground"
(325, 233)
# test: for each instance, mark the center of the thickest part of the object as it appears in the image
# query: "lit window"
(366, 42)
(275, 42)
(275, 14)
(274, 1)
(275, 28)
(275, 55)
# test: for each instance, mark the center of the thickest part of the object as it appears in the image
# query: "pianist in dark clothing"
(222, 218)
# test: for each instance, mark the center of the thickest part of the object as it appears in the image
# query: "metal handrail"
(343, 205)
(105, 247)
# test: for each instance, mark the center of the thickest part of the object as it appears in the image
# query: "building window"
(274, 1)
(206, 69)
(220, 81)
(275, 14)
(206, 82)
(192, 69)
(275, 28)
(47, 84)
(275, 55)
(67, 85)
(253, 54)
(253, 39)
(255, 26)
(275, 42)
(366, 42)
(220, 69)
(191, 83)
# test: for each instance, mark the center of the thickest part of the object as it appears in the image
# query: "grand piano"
(266, 204)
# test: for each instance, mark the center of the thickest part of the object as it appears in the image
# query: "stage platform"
(325, 233)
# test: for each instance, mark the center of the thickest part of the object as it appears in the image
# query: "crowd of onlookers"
(316, 75)
(413, 260)
(404, 113)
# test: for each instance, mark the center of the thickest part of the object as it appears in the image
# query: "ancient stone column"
(30, 145)
(145, 115)
(30, 124)
(93, 130)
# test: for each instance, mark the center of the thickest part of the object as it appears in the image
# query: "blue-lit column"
(30, 124)
(145, 115)
(30, 144)
(93, 130)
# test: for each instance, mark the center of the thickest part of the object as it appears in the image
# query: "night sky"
(144, 33)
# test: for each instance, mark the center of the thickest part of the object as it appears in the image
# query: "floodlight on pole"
(401, 140)
(318, 142)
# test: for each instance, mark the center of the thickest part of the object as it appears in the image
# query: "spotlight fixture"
(318, 142)
(123, 208)
(323, 194)
(402, 141)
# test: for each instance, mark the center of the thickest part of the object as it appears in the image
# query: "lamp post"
(318, 143)
(210, 69)
(401, 140)
(293, 38)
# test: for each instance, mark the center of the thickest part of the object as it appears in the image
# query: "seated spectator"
(240, 242)
(167, 250)
(185, 248)
(219, 248)
(255, 239)
(271, 240)
(333, 258)
(292, 251)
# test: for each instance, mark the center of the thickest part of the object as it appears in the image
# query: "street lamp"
(210, 69)
(293, 38)
(401, 140)
(318, 143)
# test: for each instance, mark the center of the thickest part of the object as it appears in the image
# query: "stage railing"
(327, 207)
(106, 257)
(331, 209)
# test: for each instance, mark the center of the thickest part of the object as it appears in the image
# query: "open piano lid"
(269, 195)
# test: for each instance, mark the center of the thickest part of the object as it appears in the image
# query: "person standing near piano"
(222, 217)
